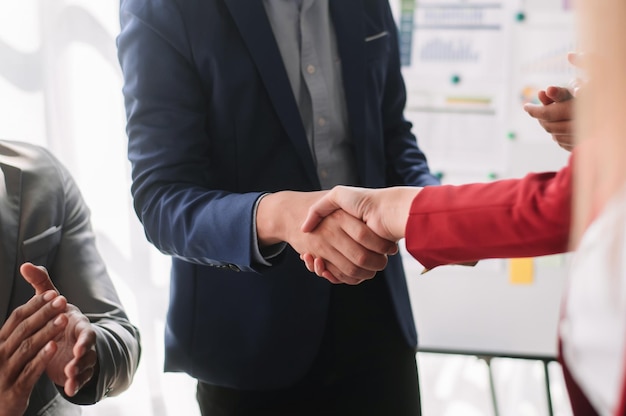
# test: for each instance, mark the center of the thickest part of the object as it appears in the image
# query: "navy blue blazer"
(213, 124)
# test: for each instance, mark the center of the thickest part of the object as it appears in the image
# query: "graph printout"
(469, 66)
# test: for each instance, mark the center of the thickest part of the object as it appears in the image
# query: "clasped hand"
(383, 211)
(352, 251)
(343, 235)
(45, 334)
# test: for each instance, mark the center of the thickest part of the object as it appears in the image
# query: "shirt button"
(310, 69)
(324, 174)
(321, 121)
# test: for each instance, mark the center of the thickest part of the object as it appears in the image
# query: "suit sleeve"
(508, 218)
(185, 211)
(79, 273)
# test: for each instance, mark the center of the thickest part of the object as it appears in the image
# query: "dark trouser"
(364, 367)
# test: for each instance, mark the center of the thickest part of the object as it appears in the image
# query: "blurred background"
(487, 333)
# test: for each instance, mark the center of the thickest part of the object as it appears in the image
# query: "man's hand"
(352, 251)
(384, 211)
(27, 347)
(75, 360)
(556, 111)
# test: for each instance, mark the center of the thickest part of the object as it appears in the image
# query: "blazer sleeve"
(177, 196)
(524, 217)
(79, 273)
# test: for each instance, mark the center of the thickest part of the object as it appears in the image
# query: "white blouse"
(593, 324)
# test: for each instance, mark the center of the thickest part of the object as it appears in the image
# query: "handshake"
(343, 235)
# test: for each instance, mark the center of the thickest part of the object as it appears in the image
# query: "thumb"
(317, 212)
(38, 277)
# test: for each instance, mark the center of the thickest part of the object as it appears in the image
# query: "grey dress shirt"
(306, 40)
(307, 44)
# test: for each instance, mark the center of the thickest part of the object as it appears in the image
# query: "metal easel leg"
(548, 393)
(492, 385)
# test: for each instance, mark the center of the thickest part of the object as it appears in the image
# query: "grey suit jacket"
(44, 220)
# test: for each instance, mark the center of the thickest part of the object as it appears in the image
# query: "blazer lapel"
(350, 33)
(10, 197)
(251, 21)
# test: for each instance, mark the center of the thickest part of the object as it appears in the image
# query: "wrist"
(268, 225)
(400, 200)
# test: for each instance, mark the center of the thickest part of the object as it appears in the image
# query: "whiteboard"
(478, 310)
(469, 67)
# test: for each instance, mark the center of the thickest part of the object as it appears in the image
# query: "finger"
(34, 369)
(340, 197)
(85, 338)
(308, 260)
(73, 386)
(350, 277)
(319, 267)
(79, 371)
(361, 233)
(557, 111)
(318, 211)
(558, 94)
(30, 317)
(38, 277)
(331, 278)
(544, 98)
(353, 259)
(562, 127)
(345, 256)
(23, 353)
(321, 271)
(339, 270)
(533, 109)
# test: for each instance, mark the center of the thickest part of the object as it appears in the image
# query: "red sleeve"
(507, 218)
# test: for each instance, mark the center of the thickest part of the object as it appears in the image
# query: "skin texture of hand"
(556, 111)
(75, 361)
(27, 346)
(384, 211)
(352, 251)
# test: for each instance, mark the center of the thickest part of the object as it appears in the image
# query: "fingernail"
(58, 321)
(58, 302)
(48, 295)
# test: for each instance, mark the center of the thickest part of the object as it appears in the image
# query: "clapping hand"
(75, 361)
(27, 347)
(556, 111)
